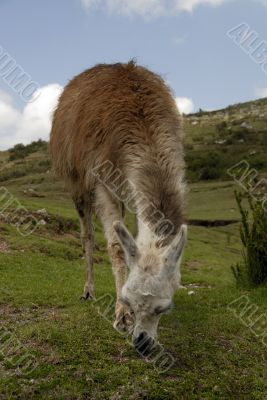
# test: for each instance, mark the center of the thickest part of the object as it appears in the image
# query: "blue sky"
(184, 40)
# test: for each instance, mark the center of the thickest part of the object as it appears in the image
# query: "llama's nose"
(143, 343)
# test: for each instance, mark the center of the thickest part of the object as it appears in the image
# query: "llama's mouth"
(144, 344)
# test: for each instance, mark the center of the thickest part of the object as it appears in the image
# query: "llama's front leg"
(110, 211)
(123, 314)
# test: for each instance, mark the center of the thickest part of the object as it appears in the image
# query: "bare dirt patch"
(26, 315)
(4, 247)
(51, 222)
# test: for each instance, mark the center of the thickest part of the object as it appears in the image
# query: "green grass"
(212, 200)
(78, 353)
(80, 356)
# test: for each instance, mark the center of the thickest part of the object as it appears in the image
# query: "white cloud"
(185, 105)
(9, 117)
(33, 122)
(261, 92)
(189, 5)
(145, 8)
(263, 2)
(178, 40)
(152, 8)
(148, 8)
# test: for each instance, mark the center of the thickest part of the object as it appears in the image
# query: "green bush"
(239, 134)
(189, 146)
(210, 173)
(46, 164)
(253, 270)
(18, 171)
(12, 174)
(221, 127)
(20, 151)
(205, 165)
(258, 161)
(17, 152)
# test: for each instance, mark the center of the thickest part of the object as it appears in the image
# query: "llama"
(117, 141)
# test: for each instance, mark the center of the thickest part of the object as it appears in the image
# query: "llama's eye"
(161, 310)
(157, 310)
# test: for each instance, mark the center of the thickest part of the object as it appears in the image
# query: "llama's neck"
(159, 206)
(146, 238)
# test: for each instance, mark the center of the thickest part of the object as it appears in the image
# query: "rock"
(42, 212)
(31, 192)
(245, 125)
(220, 141)
(252, 152)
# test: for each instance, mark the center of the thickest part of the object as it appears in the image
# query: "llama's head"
(153, 278)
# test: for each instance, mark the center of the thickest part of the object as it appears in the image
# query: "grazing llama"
(117, 141)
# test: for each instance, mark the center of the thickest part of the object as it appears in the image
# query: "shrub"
(46, 164)
(209, 173)
(221, 126)
(197, 138)
(239, 134)
(33, 167)
(211, 167)
(205, 165)
(20, 151)
(189, 146)
(258, 161)
(12, 174)
(253, 270)
(17, 152)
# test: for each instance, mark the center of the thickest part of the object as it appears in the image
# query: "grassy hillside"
(78, 355)
(217, 140)
(214, 142)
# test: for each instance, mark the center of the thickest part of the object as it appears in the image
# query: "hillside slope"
(214, 142)
(217, 140)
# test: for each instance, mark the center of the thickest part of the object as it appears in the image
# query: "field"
(78, 353)
(75, 352)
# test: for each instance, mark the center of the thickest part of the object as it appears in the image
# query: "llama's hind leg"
(84, 208)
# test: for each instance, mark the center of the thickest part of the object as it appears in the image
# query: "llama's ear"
(127, 242)
(175, 250)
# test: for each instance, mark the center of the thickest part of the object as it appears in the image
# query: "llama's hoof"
(124, 322)
(86, 296)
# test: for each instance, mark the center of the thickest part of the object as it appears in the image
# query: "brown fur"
(125, 114)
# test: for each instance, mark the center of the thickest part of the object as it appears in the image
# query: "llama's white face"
(154, 276)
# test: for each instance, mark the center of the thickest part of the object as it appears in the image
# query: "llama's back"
(122, 113)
